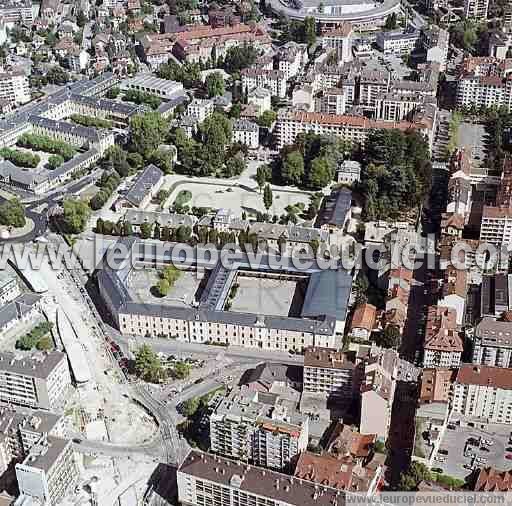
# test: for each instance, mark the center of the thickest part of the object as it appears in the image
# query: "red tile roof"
(364, 317)
(482, 375)
(492, 480)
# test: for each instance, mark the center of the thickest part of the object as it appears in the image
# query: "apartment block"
(483, 392)
(258, 427)
(476, 9)
(17, 12)
(378, 392)
(397, 42)
(397, 107)
(21, 429)
(290, 58)
(273, 80)
(200, 108)
(14, 87)
(9, 288)
(246, 132)
(443, 344)
(496, 225)
(492, 343)
(329, 371)
(49, 471)
(340, 40)
(38, 381)
(206, 480)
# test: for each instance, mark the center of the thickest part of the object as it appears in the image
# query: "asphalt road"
(171, 346)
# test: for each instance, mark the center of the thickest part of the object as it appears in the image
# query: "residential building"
(349, 171)
(435, 41)
(200, 108)
(491, 480)
(340, 40)
(476, 9)
(273, 80)
(397, 42)
(373, 84)
(492, 343)
(436, 385)
(291, 58)
(443, 344)
(203, 477)
(348, 127)
(270, 377)
(495, 296)
(21, 429)
(260, 98)
(39, 381)
(17, 12)
(340, 473)
(483, 392)
(259, 428)
(397, 107)
(246, 132)
(378, 392)
(14, 87)
(9, 288)
(144, 188)
(330, 101)
(22, 309)
(496, 225)
(363, 321)
(330, 372)
(137, 217)
(49, 471)
(454, 292)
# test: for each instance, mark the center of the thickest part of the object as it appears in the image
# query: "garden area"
(39, 338)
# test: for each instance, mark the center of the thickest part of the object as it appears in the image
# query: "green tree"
(181, 370)
(127, 229)
(390, 23)
(292, 171)
(12, 213)
(190, 406)
(267, 119)
(390, 337)
(239, 57)
(214, 84)
(267, 197)
(234, 166)
(321, 172)
(75, 216)
(310, 30)
(263, 175)
(148, 131)
(147, 365)
(135, 160)
(146, 229)
(55, 161)
(410, 479)
(163, 287)
(45, 344)
(163, 159)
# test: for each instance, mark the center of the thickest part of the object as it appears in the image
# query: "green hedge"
(89, 121)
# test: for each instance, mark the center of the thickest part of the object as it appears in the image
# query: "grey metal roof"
(245, 126)
(71, 165)
(91, 134)
(45, 453)
(37, 365)
(172, 220)
(11, 172)
(143, 184)
(336, 207)
(327, 294)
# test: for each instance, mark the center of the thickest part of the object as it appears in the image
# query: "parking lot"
(457, 455)
(474, 138)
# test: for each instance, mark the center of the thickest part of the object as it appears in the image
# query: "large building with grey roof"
(203, 476)
(492, 343)
(208, 320)
(40, 380)
(144, 188)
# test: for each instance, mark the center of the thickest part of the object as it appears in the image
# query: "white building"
(496, 226)
(273, 80)
(246, 132)
(291, 58)
(9, 288)
(435, 42)
(340, 40)
(49, 471)
(331, 101)
(259, 428)
(397, 107)
(397, 42)
(349, 172)
(14, 87)
(261, 99)
(483, 392)
(492, 343)
(476, 9)
(200, 108)
(38, 381)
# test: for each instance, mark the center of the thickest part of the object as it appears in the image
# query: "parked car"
(508, 456)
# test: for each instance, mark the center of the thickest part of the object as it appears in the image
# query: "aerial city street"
(255, 253)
